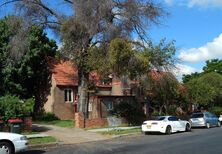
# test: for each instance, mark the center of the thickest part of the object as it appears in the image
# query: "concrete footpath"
(69, 135)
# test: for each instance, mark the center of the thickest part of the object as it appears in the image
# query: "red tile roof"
(64, 72)
(158, 75)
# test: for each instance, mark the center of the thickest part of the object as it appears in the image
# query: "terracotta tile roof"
(64, 72)
(158, 75)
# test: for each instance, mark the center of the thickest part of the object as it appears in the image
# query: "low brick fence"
(80, 122)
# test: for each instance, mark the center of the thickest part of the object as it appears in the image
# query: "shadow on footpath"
(37, 128)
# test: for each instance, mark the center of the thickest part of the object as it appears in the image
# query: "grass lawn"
(120, 132)
(60, 123)
(42, 140)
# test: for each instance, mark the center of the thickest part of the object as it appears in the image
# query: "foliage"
(163, 89)
(214, 65)
(47, 117)
(13, 107)
(131, 111)
(27, 76)
(186, 78)
(120, 53)
(205, 89)
(59, 123)
(91, 24)
(42, 140)
(216, 110)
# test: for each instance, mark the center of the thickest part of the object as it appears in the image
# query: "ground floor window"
(68, 95)
(109, 105)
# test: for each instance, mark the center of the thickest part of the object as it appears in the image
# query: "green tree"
(205, 89)
(29, 76)
(214, 65)
(93, 23)
(163, 88)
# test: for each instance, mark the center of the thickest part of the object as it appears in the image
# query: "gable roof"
(64, 72)
(158, 75)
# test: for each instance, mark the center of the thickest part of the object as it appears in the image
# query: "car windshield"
(197, 115)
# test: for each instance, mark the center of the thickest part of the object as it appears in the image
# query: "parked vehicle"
(220, 119)
(11, 143)
(204, 119)
(165, 124)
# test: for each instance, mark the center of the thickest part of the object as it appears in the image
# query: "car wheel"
(6, 148)
(168, 130)
(207, 125)
(218, 124)
(188, 128)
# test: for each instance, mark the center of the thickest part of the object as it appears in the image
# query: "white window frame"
(67, 93)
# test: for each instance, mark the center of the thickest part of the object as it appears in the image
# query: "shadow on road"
(33, 152)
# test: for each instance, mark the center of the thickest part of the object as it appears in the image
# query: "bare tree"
(91, 23)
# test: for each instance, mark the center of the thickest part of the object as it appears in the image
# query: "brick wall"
(79, 120)
(63, 110)
(89, 123)
(27, 121)
(94, 123)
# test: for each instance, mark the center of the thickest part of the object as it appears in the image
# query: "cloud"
(205, 3)
(208, 51)
(183, 69)
(198, 3)
(169, 2)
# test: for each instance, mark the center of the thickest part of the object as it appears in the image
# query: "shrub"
(13, 107)
(47, 117)
(131, 111)
(216, 110)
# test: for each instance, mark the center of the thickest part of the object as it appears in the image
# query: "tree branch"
(8, 2)
(68, 1)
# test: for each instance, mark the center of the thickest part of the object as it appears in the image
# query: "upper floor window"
(90, 106)
(68, 95)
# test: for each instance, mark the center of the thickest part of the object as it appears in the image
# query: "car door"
(215, 119)
(175, 124)
(209, 118)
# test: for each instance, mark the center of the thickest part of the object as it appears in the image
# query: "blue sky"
(195, 25)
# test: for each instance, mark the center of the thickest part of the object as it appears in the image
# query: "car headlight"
(23, 138)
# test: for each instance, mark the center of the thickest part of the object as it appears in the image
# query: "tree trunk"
(82, 90)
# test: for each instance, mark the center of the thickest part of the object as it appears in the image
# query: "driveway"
(204, 141)
(69, 135)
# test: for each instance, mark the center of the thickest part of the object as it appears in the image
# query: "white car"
(220, 119)
(165, 124)
(11, 143)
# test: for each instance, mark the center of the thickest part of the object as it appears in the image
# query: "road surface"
(199, 141)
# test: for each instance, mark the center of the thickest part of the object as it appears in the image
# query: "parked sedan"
(166, 124)
(11, 143)
(204, 119)
(220, 118)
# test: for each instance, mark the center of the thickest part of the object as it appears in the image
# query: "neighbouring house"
(63, 97)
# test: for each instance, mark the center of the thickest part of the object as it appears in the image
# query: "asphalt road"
(199, 141)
